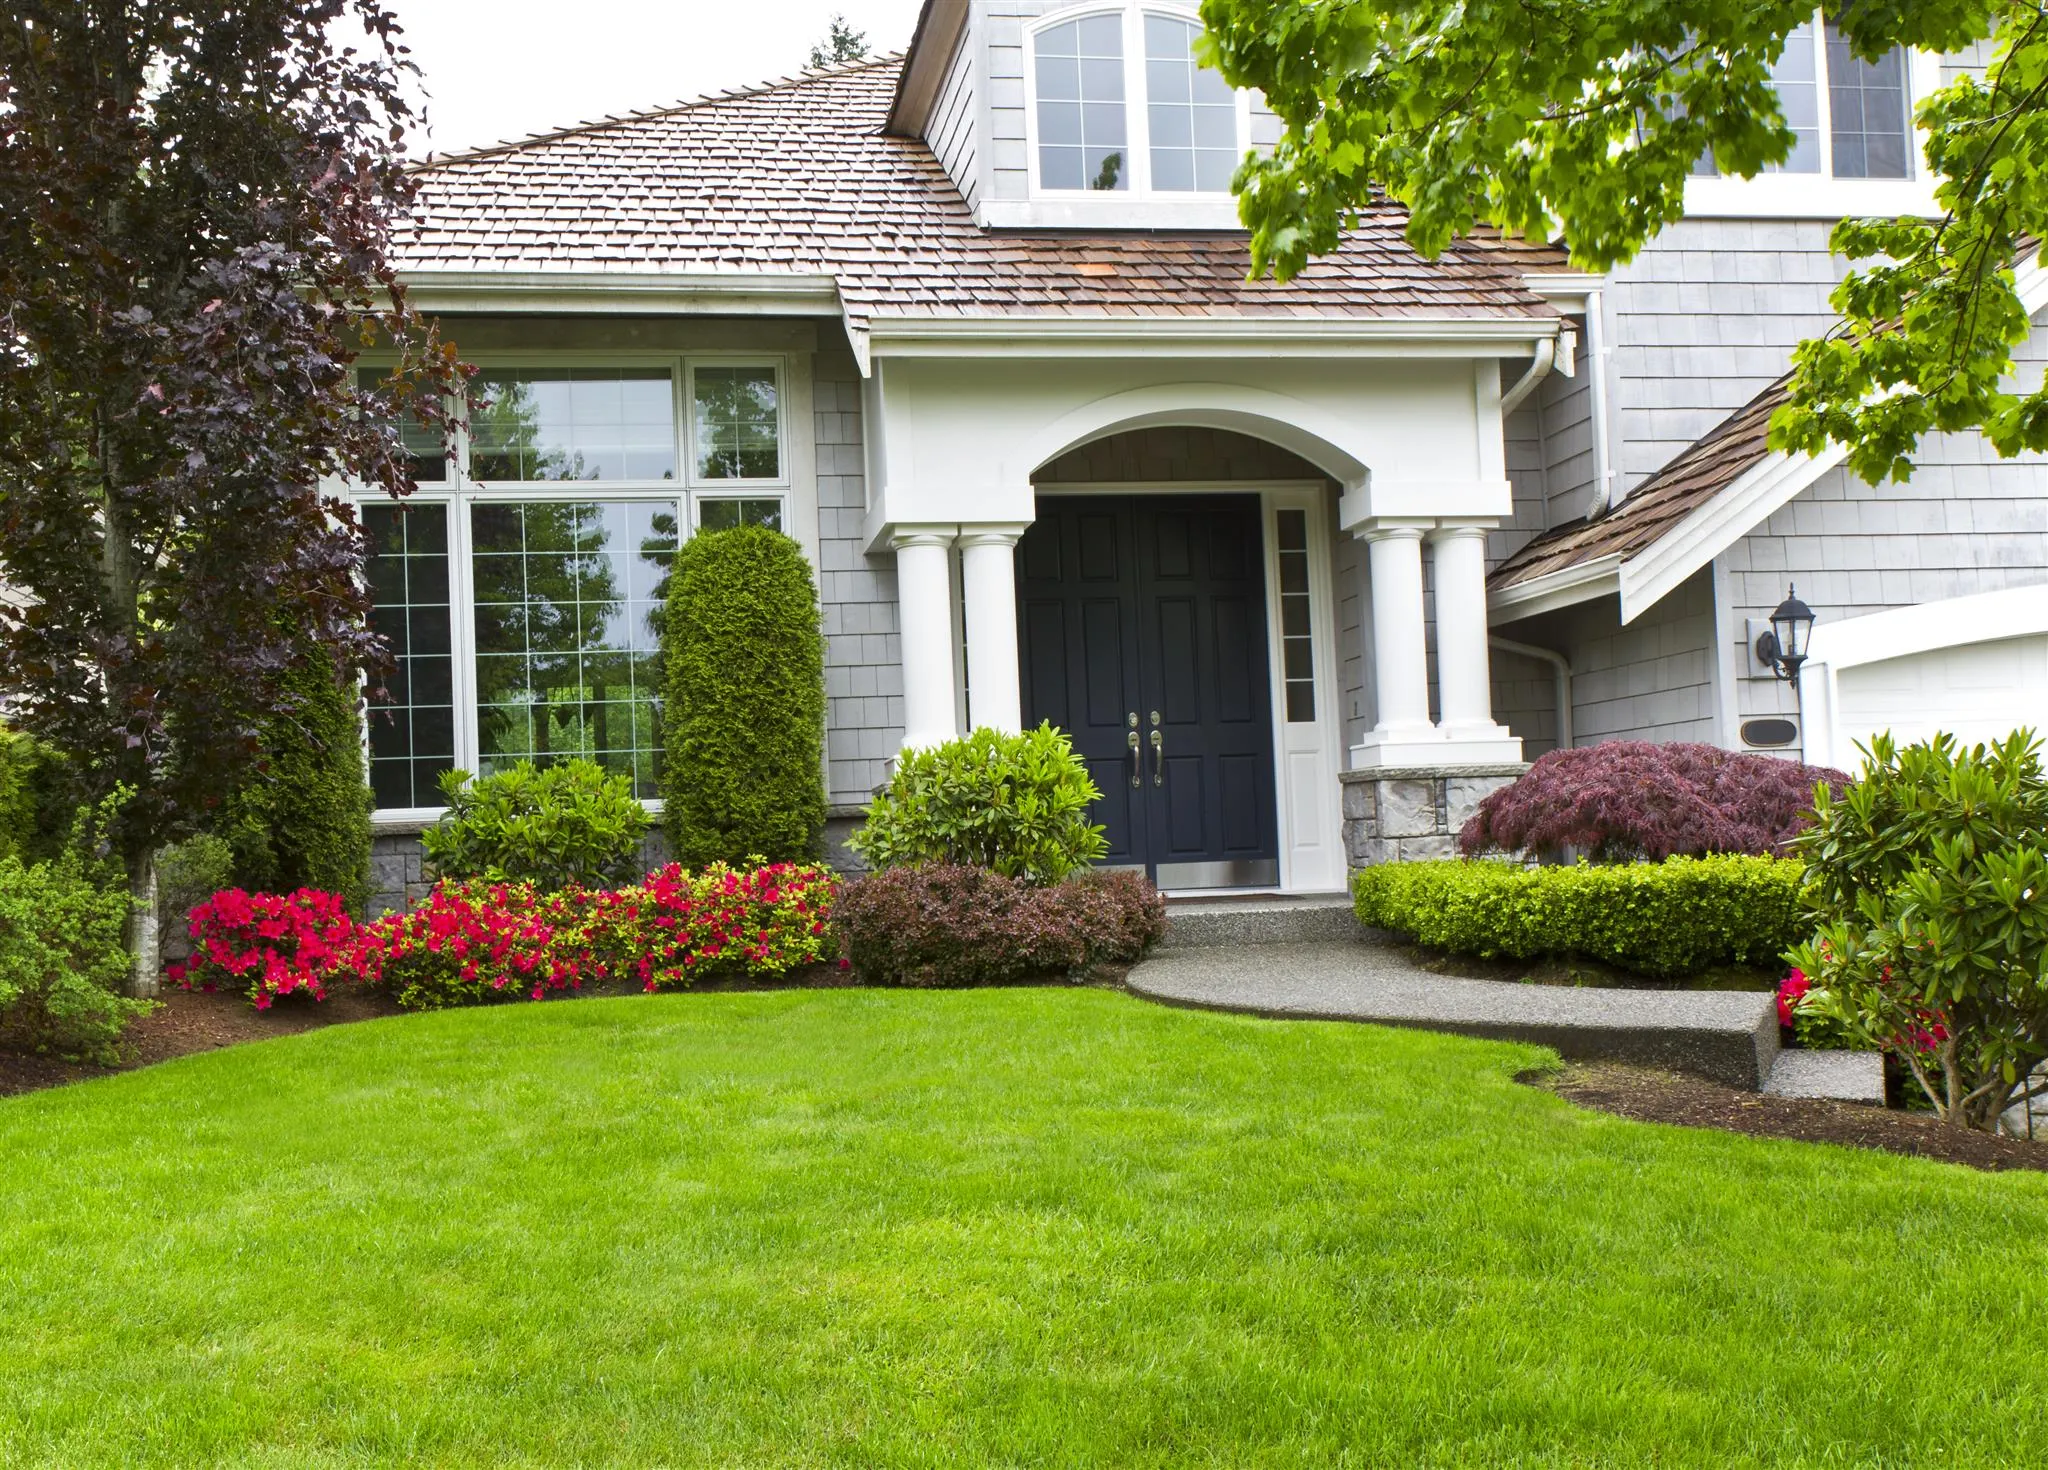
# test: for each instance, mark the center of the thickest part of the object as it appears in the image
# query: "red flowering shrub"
(954, 924)
(272, 944)
(1631, 799)
(676, 925)
(472, 942)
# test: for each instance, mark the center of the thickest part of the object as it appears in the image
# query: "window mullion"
(1137, 102)
(1823, 102)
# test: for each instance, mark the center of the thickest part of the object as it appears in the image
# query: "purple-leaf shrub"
(1631, 799)
(955, 924)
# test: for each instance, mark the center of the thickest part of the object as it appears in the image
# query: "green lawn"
(996, 1227)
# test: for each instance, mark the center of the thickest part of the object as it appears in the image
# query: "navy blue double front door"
(1143, 628)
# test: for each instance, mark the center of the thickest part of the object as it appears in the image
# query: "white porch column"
(988, 577)
(1400, 652)
(924, 602)
(1463, 677)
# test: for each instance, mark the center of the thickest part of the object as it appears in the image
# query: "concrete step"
(1227, 922)
(1730, 1036)
(1848, 1076)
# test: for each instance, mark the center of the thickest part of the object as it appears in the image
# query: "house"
(1305, 570)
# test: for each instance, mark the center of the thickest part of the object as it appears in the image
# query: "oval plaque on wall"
(1769, 732)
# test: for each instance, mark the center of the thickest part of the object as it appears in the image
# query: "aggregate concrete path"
(1729, 1036)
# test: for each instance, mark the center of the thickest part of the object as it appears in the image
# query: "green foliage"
(63, 963)
(1015, 804)
(744, 727)
(302, 818)
(1666, 919)
(36, 807)
(1585, 118)
(561, 826)
(1928, 883)
(190, 872)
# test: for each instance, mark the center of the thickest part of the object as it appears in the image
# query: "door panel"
(1154, 606)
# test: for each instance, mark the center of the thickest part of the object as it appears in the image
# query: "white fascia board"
(1179, 336)
(1743, 505)
(1566, 587)
(1565, 290)
(1110, 212)
(1735, 511)
(662, 293)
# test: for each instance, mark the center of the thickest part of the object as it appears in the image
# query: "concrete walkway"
(1729, 1036)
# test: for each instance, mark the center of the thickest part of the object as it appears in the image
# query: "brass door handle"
(1137, 760)
(1158, 758)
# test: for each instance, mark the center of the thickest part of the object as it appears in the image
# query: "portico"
(1410, 473)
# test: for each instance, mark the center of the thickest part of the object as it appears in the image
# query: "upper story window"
(1185, 133)
(1190, 111)
(1082, 139)
(1852, 119)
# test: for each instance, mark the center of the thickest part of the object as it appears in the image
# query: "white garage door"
(1977, 692)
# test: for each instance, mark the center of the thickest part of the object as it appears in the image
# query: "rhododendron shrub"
(1927, 890)
(269, 944)
(677, 925)
(1810, 1026)
(1631, 799)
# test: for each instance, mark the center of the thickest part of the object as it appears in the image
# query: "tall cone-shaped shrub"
(744, 724)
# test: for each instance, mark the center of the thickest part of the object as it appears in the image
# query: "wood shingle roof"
(800, 177)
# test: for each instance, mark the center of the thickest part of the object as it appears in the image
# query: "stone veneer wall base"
(1403, 815)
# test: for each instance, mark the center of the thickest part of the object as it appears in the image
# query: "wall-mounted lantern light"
(1783, 648)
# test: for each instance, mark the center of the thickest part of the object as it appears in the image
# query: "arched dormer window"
(1083, 132)
(1185, 134)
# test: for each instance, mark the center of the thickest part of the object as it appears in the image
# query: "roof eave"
(940, 25)
(1144, 335)
(659, 293)
(1566, 587)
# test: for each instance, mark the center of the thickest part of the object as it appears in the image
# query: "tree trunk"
(144, 940)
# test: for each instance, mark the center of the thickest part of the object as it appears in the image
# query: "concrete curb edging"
(1731, 1037)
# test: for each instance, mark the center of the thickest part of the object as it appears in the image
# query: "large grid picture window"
(737, 416)
(1082, 137)
(1191, 112)
(568, 663)
(412, 732)
(1297, 635)
(1867, 114)
(616, 424)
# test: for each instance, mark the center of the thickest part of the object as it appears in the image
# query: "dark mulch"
(193, 1021)
(1654, 1096)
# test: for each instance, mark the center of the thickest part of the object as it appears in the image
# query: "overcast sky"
(502, 68)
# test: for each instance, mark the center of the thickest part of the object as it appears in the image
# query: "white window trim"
(777, 364)
(1137, 119)
(1821, 195)
(795, 487)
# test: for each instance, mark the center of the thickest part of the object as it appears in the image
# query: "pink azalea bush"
(676, 925)
(270, 944)
(1632, 799)
(473, 942)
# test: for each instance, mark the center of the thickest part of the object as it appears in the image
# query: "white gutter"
(1561, 667)
(1606, 484)
(1146, 336)
(1565, 587)
(663, 293)
(1546, 358)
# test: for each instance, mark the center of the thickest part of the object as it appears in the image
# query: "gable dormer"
(1078, 114)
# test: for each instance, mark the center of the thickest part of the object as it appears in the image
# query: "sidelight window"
(1297, 635)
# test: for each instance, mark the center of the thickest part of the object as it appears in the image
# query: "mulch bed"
(193, 1021)
(1653, 1096)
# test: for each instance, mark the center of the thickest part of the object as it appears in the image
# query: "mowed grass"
(1026, 1227)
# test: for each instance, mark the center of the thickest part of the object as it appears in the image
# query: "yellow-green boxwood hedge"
(1677, 917)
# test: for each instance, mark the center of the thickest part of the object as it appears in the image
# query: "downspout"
(1561, 667)
(1546, 357)
(1605, 485)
